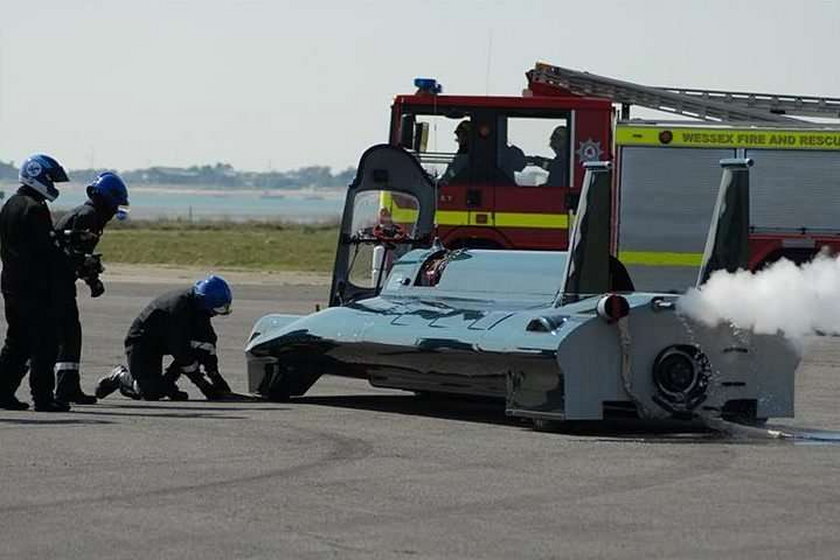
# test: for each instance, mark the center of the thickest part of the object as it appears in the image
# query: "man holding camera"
(78, 232)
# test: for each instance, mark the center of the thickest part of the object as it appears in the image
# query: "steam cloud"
(783, 298)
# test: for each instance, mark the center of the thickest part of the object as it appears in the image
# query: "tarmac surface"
(349, 471)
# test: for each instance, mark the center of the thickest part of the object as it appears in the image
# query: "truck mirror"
(421, 136)
(407, 132)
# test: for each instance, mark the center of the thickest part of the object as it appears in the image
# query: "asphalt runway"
(354, 472)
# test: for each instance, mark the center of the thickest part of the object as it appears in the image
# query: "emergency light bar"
(428, 85)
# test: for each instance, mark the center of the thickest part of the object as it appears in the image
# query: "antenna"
(489, 56)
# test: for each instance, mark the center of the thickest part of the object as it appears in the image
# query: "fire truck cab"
(508, 169)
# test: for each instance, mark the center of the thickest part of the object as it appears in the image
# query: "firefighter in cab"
(460, 162)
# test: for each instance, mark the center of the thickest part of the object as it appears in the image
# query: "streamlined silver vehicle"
(552, 335)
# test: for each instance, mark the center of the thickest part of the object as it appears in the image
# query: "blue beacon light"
(427, 85)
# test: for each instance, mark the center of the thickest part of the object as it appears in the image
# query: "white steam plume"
(783, 298)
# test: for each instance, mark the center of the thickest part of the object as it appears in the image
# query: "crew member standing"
(32, 262)
(176, 324)
(80, 230)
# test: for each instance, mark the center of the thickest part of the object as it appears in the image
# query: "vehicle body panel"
(664, 191)
(545, 332)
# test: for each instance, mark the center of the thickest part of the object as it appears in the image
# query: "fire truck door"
(480, 193)
(531, 195)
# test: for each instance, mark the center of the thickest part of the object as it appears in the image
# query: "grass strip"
(249, 245)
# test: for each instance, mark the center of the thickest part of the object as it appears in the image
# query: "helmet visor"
(222, 309)
(58, 175)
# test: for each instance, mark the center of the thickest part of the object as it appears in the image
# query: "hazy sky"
(280, 84)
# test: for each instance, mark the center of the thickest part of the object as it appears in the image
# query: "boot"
(69, 389)
(78, 398)
(51, 405)
(129, 386)
(175, 394)
(12, 403)
(110, 382)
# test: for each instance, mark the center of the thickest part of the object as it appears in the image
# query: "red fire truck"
(509, 169)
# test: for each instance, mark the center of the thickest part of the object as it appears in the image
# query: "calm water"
(150, 202)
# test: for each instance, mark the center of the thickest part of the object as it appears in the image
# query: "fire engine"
(509, 169)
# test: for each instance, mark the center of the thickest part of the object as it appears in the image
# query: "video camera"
(87, 266)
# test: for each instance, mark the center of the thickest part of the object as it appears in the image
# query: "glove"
(97, 288)
(219, 382)
(167, 386)
(207, 388)
(90, 266)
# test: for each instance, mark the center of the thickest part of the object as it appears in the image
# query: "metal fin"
(588, 266)
(727, 245)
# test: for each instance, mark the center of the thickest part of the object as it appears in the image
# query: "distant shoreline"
(194, 203)
(327, 192)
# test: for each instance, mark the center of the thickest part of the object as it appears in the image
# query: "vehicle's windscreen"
(383, 225)
(491, 146)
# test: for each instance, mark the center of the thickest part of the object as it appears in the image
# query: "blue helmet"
(41, 172)
(111, 189)
(213, 295)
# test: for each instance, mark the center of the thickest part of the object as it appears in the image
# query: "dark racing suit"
(173, 324)
(90, 220)
(32, 263)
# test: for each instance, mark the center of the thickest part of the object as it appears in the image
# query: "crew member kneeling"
(176, 324)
